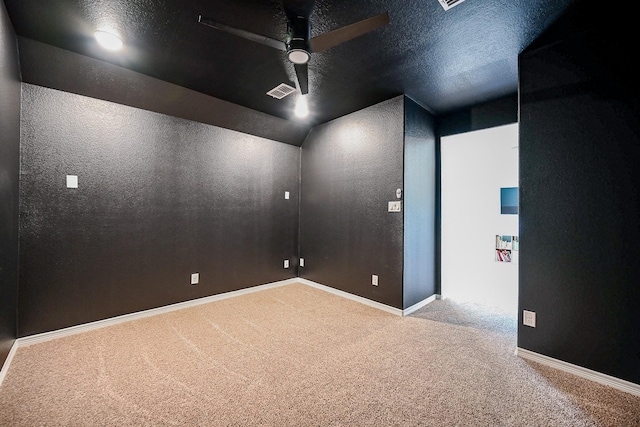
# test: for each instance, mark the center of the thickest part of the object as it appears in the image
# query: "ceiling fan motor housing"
(298, 44)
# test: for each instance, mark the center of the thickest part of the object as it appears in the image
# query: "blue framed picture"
(509, 201)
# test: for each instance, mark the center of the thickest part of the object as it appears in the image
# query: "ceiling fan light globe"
(298, 56)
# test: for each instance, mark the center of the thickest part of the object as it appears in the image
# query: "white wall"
(475, 166)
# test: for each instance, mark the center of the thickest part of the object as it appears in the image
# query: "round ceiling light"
(298, 56)
(108, 40)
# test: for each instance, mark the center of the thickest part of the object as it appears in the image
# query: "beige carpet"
(299, 356)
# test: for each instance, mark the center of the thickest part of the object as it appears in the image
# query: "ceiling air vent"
(281, 91)
(448, 4)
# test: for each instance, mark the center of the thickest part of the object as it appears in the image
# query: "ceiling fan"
(299, 44)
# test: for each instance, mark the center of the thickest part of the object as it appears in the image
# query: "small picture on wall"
(505, 242)
(509, 201)
(503, 255)
(505, 245)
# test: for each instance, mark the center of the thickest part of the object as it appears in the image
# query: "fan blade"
(341, 35)
(302, 73)
(276, 44)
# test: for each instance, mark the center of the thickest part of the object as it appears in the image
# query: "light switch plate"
(286, 263)
(301, 262)
(286, 195)
(195, 278)
(72, 181)
(374, 280)
(395, 206)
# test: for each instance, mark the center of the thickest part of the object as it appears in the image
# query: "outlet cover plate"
(395, 206)
(374, 280)
(529, 318)
(195, 278)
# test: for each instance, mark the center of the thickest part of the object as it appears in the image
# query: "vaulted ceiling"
(445, 60)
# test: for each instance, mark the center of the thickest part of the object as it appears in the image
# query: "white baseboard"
(352, 297)
(46, 336)
(370, 303)
(7, 362)
(418, 306)
(598, 377)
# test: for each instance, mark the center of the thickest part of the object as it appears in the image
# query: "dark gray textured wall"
(9, 177)
(159, 198)
(419, 204)
(351, 168)
(579, 197)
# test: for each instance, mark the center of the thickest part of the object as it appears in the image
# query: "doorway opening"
(480, 241)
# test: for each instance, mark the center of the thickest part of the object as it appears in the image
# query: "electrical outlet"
(374, 280)
(395, 206)
(301, 262)
(286, 195)
(529, 318)
(286, 263)
(195, 278)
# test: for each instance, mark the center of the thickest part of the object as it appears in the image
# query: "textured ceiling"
(444, 60)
